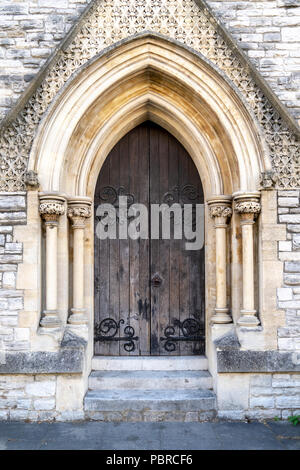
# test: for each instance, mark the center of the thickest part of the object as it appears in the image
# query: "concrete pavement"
(150, 436)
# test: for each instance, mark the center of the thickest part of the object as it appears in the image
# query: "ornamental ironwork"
(189, 330)
(108, 329)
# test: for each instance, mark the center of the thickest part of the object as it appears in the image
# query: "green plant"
(294, 420)
(276, 418)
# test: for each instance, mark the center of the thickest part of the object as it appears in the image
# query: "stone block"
(285, 293)
(285, 246)
(18, 415)
(292, 267)
(44, 404)
(290, 34)
(234, 415)
(41, 389)
(291, 279)
(288, 401)
(9, 280)
(262, 402)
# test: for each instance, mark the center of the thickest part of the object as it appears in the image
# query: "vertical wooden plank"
(134, 244)
(124, 244)
(184, 280)
(196, 263)
(154, 244)
(101, 265)
(164, 258)
(144, 271)
(114, 307)
(175, 245)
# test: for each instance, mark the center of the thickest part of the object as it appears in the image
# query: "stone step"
(150, 380)
(150, 405)
(113, 363)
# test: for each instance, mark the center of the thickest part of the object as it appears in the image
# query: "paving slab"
(150, 436)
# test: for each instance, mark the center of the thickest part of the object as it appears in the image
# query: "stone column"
(79, 210)
(247, 205)
(220, 211)
(51, 208)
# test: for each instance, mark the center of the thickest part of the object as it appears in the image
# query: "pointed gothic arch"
(149, 77)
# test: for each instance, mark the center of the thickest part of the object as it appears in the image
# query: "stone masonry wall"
(32, 398)
(261, 396)
(289, 252)
(12, 212)
(29, 31)
(268, 31)
(274, 395)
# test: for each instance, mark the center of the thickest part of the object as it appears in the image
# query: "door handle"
(156, 280)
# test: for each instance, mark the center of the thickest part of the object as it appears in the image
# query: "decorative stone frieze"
(79, 210)
(220, 210)
(247, 205)
(51, 208)
(187, 22)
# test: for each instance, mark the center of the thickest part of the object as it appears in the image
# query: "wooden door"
(149, 293)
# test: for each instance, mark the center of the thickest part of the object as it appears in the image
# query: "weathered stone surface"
(12, 203)
(65, 361)
(257, 361)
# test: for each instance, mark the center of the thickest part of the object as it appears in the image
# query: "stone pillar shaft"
(248, 207)
(248, 266)
(51, 266)
(51, 208)
(220, 210)
(79, 209)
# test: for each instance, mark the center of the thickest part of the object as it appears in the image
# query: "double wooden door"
(149, 293)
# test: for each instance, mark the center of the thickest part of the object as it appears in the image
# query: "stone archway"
(149, 78)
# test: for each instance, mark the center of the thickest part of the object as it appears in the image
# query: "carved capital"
(78, 211)
(247, 205)
(220, 211)
(78, 215)
(51, 208)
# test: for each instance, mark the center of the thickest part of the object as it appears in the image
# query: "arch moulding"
(149, 78)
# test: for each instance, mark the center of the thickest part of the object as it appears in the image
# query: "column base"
(248, 318)
(78, 317)
(50, 319)
(221, 316)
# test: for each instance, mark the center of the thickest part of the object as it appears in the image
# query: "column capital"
(247, 205)
(51, 207)
(79, 209)
(220, 208)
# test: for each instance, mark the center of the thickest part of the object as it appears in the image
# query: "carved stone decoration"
(186, 21)
(79, 209)
(31, 180)
(248, 207)
(78, 215)
(51, 210)
(268, 179)
(220, 211)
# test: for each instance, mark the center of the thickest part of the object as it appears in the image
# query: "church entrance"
(149, 292)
